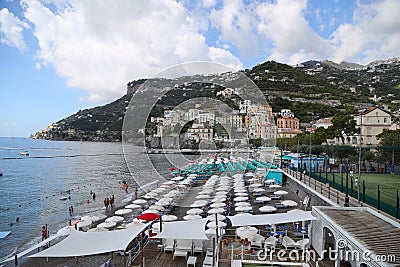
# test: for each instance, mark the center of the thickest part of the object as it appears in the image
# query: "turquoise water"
(31, 186)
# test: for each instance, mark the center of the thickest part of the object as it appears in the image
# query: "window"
(385, 120)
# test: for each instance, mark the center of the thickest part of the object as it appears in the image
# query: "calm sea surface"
(31, 186)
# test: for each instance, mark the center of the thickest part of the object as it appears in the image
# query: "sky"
(60, 56)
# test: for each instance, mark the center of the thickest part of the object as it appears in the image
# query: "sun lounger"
(180, 253)
(184, 245)
(169, 245)
(287, 242)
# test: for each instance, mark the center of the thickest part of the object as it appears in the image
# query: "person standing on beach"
(94, 196)
(136, 193)
(44, 232)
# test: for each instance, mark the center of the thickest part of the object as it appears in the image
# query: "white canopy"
(184, 230)
(278, 218)
(91, 243)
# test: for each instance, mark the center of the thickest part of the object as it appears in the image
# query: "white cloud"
(11, 28)
(374, 33)
(99, 47)
(236, 23)
(293, 40)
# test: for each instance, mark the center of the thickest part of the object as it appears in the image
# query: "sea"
(33, 186)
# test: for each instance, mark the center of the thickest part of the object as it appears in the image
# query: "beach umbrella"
(241, 194)
(202, 196)
(101, 229)
(268, 181)
(194, 211)
(191, 217)
(169, 218)
(220, 217)
(212, 224)
(159, 190)
(216, 210)
(139, 201)
(151, 211)
(134, 223)
(107, 225)
(275, 186)
(238, 204)
(221, 193)
(133, 206)
(249, 174)
(177, 178)
(123, 211)
(252, 180)
(67, 230)
(198, 203)
(162, 203)
(267, 208)
(259, 190)
(217, 205)
(255, 185)
(289, 203)
(169, 182)
(238, 199)
(148, 216)
(280, 192)
(156, 207)
(116, 219)
(263, 198)
(218, 199)
(91, 218)
(243, 208)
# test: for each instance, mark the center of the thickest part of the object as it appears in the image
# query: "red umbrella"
(171, 169)
(148, 216)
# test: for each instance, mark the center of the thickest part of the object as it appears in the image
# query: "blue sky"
(59, 56)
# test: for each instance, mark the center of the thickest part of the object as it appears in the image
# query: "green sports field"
(389, 184)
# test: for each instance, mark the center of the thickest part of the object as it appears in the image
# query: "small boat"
(1, 174)
(63, 198)
(24, 153)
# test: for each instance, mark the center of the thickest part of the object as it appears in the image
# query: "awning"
(90, 243)
(194, 230)
(249, 219)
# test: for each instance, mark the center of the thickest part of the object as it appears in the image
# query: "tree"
(389, 145)
(343, 125)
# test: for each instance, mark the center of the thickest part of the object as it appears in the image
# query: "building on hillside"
(288, 127)
(323, 122)
(227, 92)
(372, 122)
(200, 131)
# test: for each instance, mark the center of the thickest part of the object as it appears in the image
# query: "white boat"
(24, 153)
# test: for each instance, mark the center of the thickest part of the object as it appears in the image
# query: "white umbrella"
(116, 219)
(289, 203)
(294, 210)
(84, 224)
(270, 181)
(151, 211)
(217, 205)
(275, 186)
(191, 217)
(220, 217)
(267, 208)
(67, 230)
(238, 199)
(218, 199)
(162, 203)
(134, 223)
(280, 192)
(203, 196)
(133, 206)
(123, 211)
(216, 210)
(241, 194)
(194, 211)
(168, 218)
(255, 185)
(156, 207)
(259, 190)
(243, 208)
(101, 229)
(252, 180)
(211, 231)
(139, 201)
(152, 194)
(177, 178)
(214, 225)
(263, 198)
(242, 204)
(169, 182)
(221, 193)
(106, 225)
(166, 199)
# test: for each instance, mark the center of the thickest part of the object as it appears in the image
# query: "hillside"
(312, 90)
